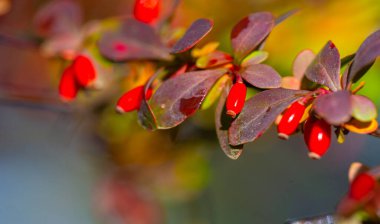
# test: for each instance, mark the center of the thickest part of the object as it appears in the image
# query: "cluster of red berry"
(317, 132)
(80, 74)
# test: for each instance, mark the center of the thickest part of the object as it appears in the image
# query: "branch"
(9, 40)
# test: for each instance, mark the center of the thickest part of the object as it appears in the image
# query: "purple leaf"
(247, 35)
(181, 96)
(262, 76)
(365, 57)
(363, 109)
(134, 41)
(197, 31)
(260, 112)
(222, 123)
(302, 61)
(325, 68)
(146, 117)
(286, 15)
(335, 108)
(58, 17)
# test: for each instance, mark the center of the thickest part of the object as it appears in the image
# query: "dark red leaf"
(325, 68)
(365, 57)
(262, 76)
(260, 112)
(222, 124)
(181, 96)
(335, 108)
(197, 31)
(135, 40)
(247, 35)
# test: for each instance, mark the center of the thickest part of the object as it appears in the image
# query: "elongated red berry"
(236, 99)
(317, 135)
(290, 120)
(68, 87)
(131, 100)
(85, 73)
(362, 186)
(147, 11)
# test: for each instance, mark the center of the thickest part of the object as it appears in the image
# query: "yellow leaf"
(207, 49)
(341, 137)
(306, 114)
(215, 92)
(361, 127)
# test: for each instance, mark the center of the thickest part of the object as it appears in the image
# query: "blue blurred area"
(47, 172)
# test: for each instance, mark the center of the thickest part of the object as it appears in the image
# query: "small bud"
(147, 11)
(68, 87)
(236, 99)
(317, 136)
(131, 100)
(362, 186)
(85, 73)
(290, 120)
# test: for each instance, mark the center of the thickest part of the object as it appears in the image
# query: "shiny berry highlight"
(317, 136)
(236, 99)
(290, 120)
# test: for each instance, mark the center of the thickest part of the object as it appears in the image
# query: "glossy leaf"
(180, 97)
(361, 127)
(197, 31)
(262, 76)
(247, 35)
(363, 109)
(301, 63)
(222, 123)
(213, 59)
(325, 67)
(334, 107)
(135, 40)
(365, 57)
(256, 57)
(215, 92)
(260, 112)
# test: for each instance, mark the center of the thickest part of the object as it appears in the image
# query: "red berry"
(85, 72)
(361, 186)
(236, 99)
(317, 135)
(147, 11)
(131, 100)
(290, 120)
(68, 87)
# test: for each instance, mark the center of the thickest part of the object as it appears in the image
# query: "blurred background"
(59, 164)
